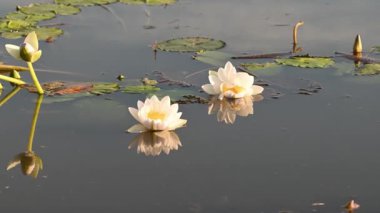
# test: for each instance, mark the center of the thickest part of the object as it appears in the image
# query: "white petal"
(244, 80)
(13, 50)
(36, 56)
(31, 39)
(165, 103)
(257, 90)
(134, 112)
(137, 128)
(140, 104)
(209, 89)
(177, 124)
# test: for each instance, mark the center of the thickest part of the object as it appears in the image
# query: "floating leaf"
(31, 17)
(267, 69)
(375, 49)
(257, 66)
(306, 62)
(12, 35)
(190, 44)
(104, 88)
(44, 33)
(18, 24)
(369, 69)
(141, 89)
(148, 2)
(84, 2)
(43, 8)
(215, 58)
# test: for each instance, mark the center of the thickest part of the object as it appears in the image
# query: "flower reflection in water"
(227, 109)
(30, 162)
(153, 143)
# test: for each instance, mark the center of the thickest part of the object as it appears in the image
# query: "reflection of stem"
(34, 122)
(9, 95)
(12, 80)
(35, 79)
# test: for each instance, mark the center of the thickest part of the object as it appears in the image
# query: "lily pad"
(262, 69)
(369, 69)
(43, 33)
(215, 58)
(18, 24)
(12, 35)
(29, 17)
(43, 8)
(84, 2)
(257, 66)
(190, 44)
(104, 88)
(306, 62)
(149, 2)
(141, 89)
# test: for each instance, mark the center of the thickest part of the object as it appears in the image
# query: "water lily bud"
(26, 52)
(358, 48)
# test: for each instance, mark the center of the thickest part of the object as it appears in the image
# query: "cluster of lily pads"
(27, 18)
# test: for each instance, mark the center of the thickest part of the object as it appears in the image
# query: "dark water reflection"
(290, 153)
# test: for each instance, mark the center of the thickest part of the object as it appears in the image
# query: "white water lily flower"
(27, 51)
(227, 109)
(229, 83)
(155, 143)
(156, 115)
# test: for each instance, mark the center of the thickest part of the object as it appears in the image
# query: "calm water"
(294, 151)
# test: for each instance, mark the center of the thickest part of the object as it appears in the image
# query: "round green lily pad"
(190, 44)
(43, 8)
(84, 2)
(12, 35)
(43, 33)
(148, 2)
(369, 69)
(257, 66)
(140, 89)
(306, 62)
(29, 17)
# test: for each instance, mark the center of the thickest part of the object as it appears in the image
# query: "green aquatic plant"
(28, 52)
(306, 62)
(252, 67)
(190, 44)
(48, 8)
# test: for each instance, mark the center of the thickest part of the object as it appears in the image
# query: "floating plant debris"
(306, 62)
(190, 44)
(84, 2)
(149, 2)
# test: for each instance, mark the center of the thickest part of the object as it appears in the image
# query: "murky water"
(294, 151)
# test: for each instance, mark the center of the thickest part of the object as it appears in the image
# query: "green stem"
(9, 96)
(35, 79)
(12, 80)
(34, 122)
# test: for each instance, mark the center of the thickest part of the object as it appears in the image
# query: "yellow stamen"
(156, 115)
(234, 89)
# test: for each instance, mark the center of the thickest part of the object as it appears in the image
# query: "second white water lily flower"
(27, 51)
(229, 83)
(156, 115)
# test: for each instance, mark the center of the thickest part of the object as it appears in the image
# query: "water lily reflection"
(155, 143)
(30, 162)
(227, 109)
